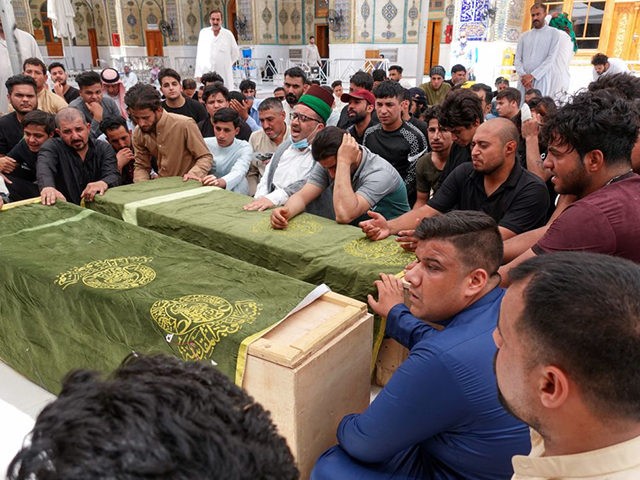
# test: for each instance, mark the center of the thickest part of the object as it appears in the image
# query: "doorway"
(54, 44)
(155, 42)
(322, 40)
(93, 45)
(232, 16)
(432, 53)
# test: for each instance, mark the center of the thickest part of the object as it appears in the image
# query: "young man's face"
(250, 95)
(487, 150)
(600, 69)
(145, 118)
(436, 81)
(389, 111)
(280, 95)
(58, 75)
(75, 133)
(537, 17)
(35, 136)
(37, 73)
(507, 108)
(294, 88)
(225, 133)
(459, 77)
(358, 109)
(170, 88)
(394, 75)
(463, 135)
(439, 139)
(338, 91)
(119, 138)
(23, 99)
(215, 102)
(91, 93)
(569, 173)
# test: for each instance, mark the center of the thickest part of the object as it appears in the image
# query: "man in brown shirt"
(173, 140)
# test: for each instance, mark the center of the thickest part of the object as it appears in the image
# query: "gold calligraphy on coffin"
(382, 252)
(298, 227)
(198, 322)
(113, 274)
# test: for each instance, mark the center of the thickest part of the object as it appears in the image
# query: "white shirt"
(231, 163)
(28, 48)
(616, 65)
(311, 55)
(537, 54)
(294, 165)
(129, 80)
(217, 53)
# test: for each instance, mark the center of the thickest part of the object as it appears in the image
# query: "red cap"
(360, 94)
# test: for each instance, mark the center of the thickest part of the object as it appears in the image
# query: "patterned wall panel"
(510, 14)
(266, 24)
(472, 18)
(389, 21)
(173, 19)
(191, 14)
(364, 21)
(412, 21)
(22, 15)
(245, 23)
(341, 21)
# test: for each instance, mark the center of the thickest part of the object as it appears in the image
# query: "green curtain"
(83, 290)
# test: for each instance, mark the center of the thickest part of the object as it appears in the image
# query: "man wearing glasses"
(292, 162)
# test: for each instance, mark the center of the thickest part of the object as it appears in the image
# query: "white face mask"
(304, 143)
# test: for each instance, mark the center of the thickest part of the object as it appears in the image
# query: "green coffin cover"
(83, 290)
(313, 249)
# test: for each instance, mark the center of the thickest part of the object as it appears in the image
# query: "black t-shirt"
(519, 204)
(23, 178)
(71, 94)
(206, 129)
(10, 132)
(422, 126)
(191, 108)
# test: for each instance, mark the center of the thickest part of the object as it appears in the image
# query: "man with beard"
(589, 156)
(360, 105)
(295, 85)
(493, 182)
(568, 343)
(92, 103)
(59, 78)
(23, 98)
(174, 140)
(438, 417)
(74, 167)
(47, 100)
(117, 133)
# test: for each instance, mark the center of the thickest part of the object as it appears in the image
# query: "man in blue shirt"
(439, 416)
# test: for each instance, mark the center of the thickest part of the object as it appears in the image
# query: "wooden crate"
(311, 370)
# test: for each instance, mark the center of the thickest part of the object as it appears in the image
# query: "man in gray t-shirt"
(361, 181)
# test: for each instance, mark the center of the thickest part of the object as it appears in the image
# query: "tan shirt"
(50, 102)
(618, 462)
(260, 143)
(177, 146)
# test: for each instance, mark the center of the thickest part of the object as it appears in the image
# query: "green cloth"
(83, 290)
(312, 249)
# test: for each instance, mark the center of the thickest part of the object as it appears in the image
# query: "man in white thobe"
(537, 55)
(217, 50)
(603, 65)
(27, 47)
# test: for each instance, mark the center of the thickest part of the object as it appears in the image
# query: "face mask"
(304, 143)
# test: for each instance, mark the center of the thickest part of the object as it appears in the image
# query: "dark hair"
(271, 103)
(431, 113)
(189, 83)
(534, 91)
(38, 117)
(236, 95)
(326, 143)
(88, 79)
(461, 108)
(501, 81)
(56, 65)
(511, 94)
(168, 72)
(537, 6)
(154, 418)
(625, 85)
(112, 123)
(582, 313)
(599, 120)
(20, 80)
(247, 85)
(488, 93)
(211, 77)
(599, 59)
(214, 89)
(458, 68)
(296, 72)
(34, 61)
(545, 106)
(227, 115)
(362, 80)
(474, 234)
(278, 89)
(336, 83)
(378, 75)
(142, 96)
(214, 10)
(396, 67)
(390, 89)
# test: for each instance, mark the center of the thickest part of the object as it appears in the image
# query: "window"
(587, 22)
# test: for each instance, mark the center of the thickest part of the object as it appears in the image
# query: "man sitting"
(232, 156)
(74, 167)
(21, 181)
(439, 415)
(92, 103)
(361, 181)
(568, 343)
(175, 420)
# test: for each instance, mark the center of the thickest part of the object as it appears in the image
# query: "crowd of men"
(491, 189)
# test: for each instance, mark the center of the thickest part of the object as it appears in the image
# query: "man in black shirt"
(493, 183)
(216, 96)
(400, 143)
(75, 167)
(23, 98)
(175, 102)
(60, 86)
(119, 137)
(38, 128)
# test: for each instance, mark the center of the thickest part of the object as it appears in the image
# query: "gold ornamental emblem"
(198, 322)
(110, 274)
(382, 252)
(303, 226)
